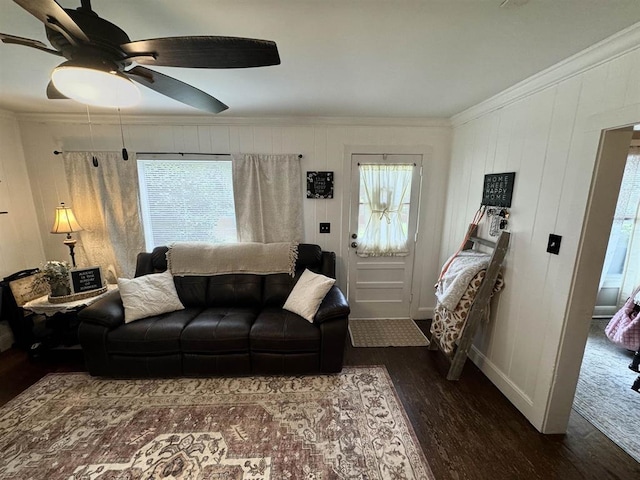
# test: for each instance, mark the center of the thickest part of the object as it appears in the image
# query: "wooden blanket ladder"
(480, 303)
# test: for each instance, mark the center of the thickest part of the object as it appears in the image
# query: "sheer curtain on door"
(385, 191)
(105, 201)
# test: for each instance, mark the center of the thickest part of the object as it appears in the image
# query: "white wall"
(547, 130)
(322, 142)
(20, 244)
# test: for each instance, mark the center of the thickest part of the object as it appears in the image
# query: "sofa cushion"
(219, 330)
(307, 294)
(148, 295)
(192, 290)
(234, 290)
(309, 256)
(277, 330)
(277, 288)
(157, 335)
(159, 258)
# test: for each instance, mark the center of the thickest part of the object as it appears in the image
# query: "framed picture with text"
(319, 184)
(84, 280)
(498, 189)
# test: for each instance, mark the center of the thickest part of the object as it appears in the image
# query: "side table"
(61, 323)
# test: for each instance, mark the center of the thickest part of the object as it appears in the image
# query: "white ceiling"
(389, 58)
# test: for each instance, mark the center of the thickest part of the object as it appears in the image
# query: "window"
(383, 210)
(186, 199)
(624, 223)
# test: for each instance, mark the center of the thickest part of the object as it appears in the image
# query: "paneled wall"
(20, 243)
(547, 129)
(548, 132)
(322, 142)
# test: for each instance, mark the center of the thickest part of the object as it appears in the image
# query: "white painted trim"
(426, 151)
(604, 51)
(424, 313)
(607, 171)
(222, 120)
(510, 390)
(6, 114)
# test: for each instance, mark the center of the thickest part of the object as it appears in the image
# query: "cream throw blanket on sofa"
(199, 258)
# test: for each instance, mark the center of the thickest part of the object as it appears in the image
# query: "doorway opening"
(621, 269)
(603, 394)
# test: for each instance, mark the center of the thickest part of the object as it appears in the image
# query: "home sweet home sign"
(498, 189)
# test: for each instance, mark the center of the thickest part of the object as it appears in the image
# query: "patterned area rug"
(74, 426)
(398, 332)
(604, 396)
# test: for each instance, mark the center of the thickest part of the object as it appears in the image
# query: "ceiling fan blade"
(53, 16)
(53, 93)
(27, 42)
(176, 89)
(204, 52)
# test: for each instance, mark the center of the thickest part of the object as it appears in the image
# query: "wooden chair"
(23, 287)
(28, 288)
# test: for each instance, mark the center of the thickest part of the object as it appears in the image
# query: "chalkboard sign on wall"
(319, 184)
(86, 279)
(498, 189)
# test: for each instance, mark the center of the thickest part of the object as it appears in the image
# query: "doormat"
(397, 332)
(346, 425)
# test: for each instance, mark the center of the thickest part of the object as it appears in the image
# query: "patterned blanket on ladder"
(448, 324)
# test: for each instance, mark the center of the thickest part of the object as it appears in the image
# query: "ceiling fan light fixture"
(94, 86)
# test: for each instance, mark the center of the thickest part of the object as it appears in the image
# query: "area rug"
(347, 425)
(397, 332)
(604, 396)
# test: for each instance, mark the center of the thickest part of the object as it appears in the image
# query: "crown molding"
(77, 118)
(7, 115)
(604, 51)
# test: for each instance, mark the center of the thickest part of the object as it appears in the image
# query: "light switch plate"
(553, 245)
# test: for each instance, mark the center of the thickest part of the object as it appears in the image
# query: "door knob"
(354, 244)
(354, 235)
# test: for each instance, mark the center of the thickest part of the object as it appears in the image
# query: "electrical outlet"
(325, 227)
(553, 245)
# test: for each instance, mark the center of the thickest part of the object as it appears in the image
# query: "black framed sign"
(319, 184)
(498, 189)
(85, 279)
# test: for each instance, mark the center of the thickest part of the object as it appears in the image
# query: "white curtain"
(267, 192)
(627, 215)
(384, 194)
(105, 202)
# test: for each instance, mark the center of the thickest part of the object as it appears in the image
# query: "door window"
(383, 214)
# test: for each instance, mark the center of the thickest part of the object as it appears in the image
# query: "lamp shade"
(65, 221)
(95, 86)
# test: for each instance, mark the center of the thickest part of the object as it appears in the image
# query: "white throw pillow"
(307, 294)
(148, 295)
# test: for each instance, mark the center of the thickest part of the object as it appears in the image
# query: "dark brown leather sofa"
(232, 324)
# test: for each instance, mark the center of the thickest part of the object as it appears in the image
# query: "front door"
(383, 220)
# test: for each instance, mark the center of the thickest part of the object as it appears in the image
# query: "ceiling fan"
(96, 48)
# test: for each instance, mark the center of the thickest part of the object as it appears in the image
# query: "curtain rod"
(58, 152)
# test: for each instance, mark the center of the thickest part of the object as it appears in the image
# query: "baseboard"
(423, 313)
(604, 312)
(510, 390)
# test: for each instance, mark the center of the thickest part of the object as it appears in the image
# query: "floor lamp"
(65, 222)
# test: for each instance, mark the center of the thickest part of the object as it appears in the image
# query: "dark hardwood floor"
(467, 429)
